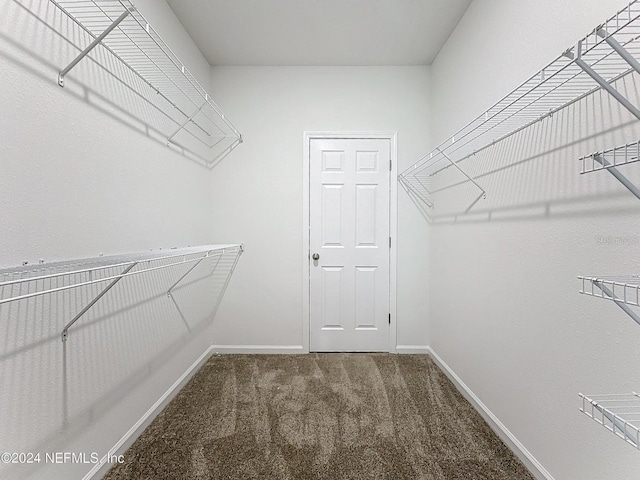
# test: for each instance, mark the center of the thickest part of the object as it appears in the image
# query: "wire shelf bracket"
(65, 330)
(623, 291)
(425, 191)
(91, 46)
(619, 49)
(618, 413)
(81, 273)
(596, 62)
(611, 159)
(120, 28)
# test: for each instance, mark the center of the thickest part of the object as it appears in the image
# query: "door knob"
(316, 256)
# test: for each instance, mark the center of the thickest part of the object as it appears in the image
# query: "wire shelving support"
(618, 413)
(120, 28)
(431, 168)
(623, 291)
(45, 279)
(611, 159)
(596, 62)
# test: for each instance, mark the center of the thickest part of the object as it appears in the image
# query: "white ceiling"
(319, 32)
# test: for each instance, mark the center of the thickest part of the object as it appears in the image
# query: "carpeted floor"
(319, 416)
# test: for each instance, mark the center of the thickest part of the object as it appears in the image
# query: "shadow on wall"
(424, 210)
(39, 38)
(51, 389)
(535, 173)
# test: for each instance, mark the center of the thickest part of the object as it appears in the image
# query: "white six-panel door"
(349, 236)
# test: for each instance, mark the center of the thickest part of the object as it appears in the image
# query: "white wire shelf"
(599, 59)
(426, 178)
(611, 158)
(154, 73)
(624, 291)
(28, 281)
(618, 413)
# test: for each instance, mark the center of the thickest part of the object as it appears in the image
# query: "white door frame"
(393, 226)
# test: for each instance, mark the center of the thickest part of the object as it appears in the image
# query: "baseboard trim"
(496, 425)
(412, 349)
(101, 468)
(259, 349)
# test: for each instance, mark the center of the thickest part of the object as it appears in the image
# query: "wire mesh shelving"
(618, 413)
(624, 291)
(596, 62)
(609, 160)
(31, 281)
(425, 177)
(191, 119)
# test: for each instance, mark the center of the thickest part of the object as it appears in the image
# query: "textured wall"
(257, 195)
(506, 315)
(80, 177)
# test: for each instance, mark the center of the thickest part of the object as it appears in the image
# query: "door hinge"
(389, 242)
(390, 165)
(389, 319)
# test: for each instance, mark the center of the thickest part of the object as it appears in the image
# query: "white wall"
(257, 194)
(505, 314)
(80, 178)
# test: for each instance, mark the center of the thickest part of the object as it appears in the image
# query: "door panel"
(365, 297)
(366, 215)
(349, 230)
(332, 215)
(332, 289)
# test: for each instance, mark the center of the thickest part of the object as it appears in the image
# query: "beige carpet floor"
(319, 416)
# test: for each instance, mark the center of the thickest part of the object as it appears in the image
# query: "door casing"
(393, 226)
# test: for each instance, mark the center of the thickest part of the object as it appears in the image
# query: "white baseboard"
(259, 349)
(535, 467)
(100, 469)
(412, 349)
